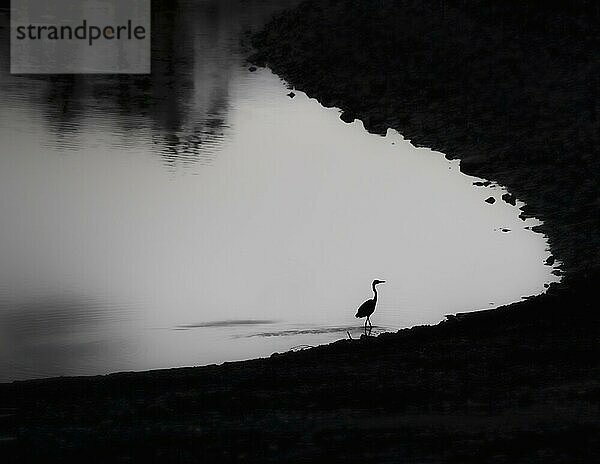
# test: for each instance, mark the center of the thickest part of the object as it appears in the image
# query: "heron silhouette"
(368, 307)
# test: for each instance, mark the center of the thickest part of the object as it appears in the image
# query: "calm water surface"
(201, 215)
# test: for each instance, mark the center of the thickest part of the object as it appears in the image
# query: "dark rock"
(550, 260)
(291, 94)
(510, 199)
(347, 116)
(490, 200)
(486, 183)
(252, 68)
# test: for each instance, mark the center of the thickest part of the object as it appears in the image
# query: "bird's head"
(377, 282)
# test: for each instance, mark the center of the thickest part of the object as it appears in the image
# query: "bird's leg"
(370, 325)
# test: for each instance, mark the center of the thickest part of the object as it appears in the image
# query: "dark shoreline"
(510, 88)
(518, 384)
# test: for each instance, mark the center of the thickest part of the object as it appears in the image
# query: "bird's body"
(368, 307)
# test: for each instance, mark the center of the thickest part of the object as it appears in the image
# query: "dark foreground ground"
(512, 89)
(519, 384)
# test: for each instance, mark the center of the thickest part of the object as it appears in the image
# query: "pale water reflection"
(201, 215)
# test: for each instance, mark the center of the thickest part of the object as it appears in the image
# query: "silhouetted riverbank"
(511, 88)
(514, 385)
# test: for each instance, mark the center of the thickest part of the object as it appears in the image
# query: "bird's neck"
(375, 293)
